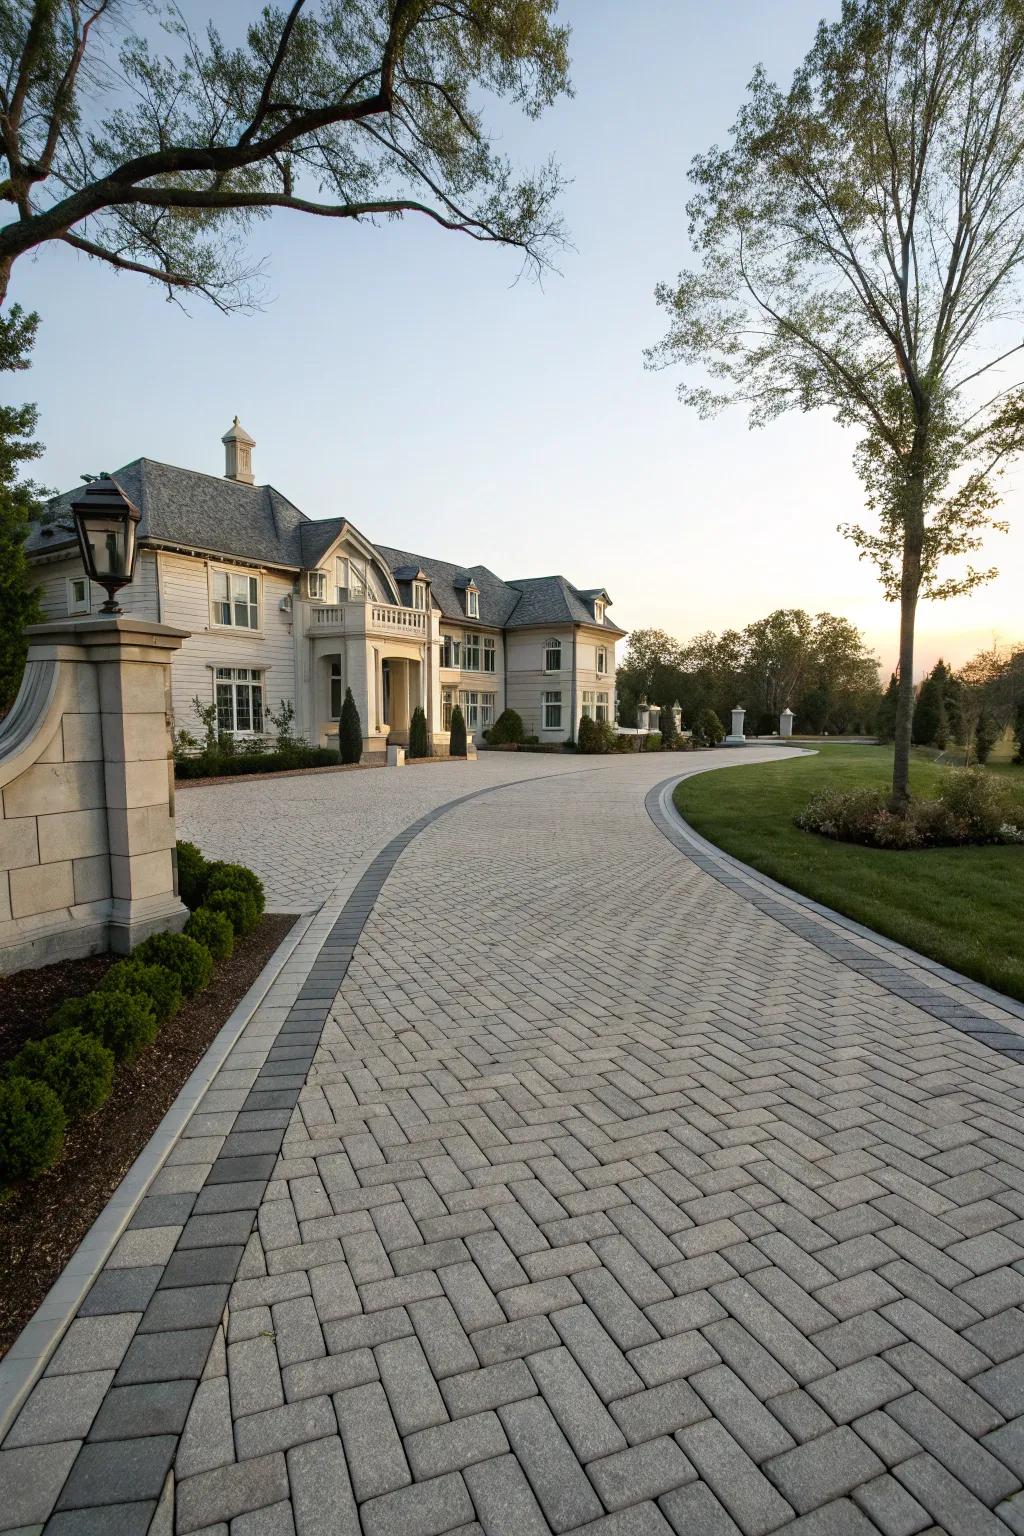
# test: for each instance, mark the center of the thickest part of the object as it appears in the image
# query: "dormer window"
(472, 603)
(316, 586)
(599, 610)
(419, 594)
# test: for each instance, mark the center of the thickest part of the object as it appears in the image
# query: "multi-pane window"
(239, 700)
(336, 690)
(451, 651)
(599, 611)
(472, 654)
(447, 700)
(79, 595)
(486, 710)
(602, 659)
(553, 656)
(472, 603)
(419, 595)
(489, 653)
(236, 599)
(478, 709)
(349, 578)
(587, 709)
(552, 711)
(601, 707)
(316, 585)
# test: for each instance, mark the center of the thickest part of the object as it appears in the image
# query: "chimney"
(238, 447)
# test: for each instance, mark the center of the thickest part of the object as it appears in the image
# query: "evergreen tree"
(668, 727)
(986, 734)
(350, 732)
(1018, 731)
(929, 728)
(886, 719)
(418, 745)
(457, 738)
(19, 597)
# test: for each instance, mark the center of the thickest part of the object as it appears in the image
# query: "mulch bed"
(43, 1221)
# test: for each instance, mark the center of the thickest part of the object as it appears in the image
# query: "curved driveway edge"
(957, 1000)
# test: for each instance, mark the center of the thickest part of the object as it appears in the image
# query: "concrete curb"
(28, 1355)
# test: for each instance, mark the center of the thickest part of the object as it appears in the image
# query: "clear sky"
(399, 376)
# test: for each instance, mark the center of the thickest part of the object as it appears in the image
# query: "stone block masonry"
(87, 827)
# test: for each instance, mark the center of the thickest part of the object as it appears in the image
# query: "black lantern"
(107, 524)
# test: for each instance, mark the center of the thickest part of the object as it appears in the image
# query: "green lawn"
(962, 906)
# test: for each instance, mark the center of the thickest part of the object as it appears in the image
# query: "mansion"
(283, 607)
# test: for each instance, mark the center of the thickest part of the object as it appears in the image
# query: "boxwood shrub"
(214, 929)
(192, 963)
(156, 983)
(237, 905)
(124, 1021)
(32, 1122)
(236, 877)
(77, 1066)
(192, 875)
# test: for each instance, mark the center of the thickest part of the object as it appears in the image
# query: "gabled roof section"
(448, 583)
(191, 510)
(554, 600)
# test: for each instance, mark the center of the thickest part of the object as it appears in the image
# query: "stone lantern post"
(736, 737)
(786, 723)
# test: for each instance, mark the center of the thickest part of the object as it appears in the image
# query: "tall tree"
(861, 243)
(157, 160)
(19, 598)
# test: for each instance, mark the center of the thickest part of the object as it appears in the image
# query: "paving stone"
(693, 1509)
(556, 1477)
(255, 1376)
(823, 1469)
(734, 1479)
(278, 1429)
(412, 1391)
(582, 1417)
(59, 1408)
(476, 1391)
(222, 1494)
(275, 1520)
(177, 1356)
(94, 1344)
(514, 1340)
(891, 1507)
(732, 1403)
(136, 1518)
(208, 1439)
(373, 1450)
(442, 1337)
(157, 1408)
(945, 1499)
(973, 1466)
(669, 1358)
(31, 1477)
(321, 1492)
(857, 1389)
(188, 1307)
(641, 1472)
(118, 1472)
(426, 1510)
(503, 1498)
(121, 1290)
(334, 1373)
(451, 1447)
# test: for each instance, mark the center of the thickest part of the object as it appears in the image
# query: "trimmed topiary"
(192, 963)
(507, 728)
(124, 1021)
(418, 744)
(158, 984)
(350, 730)
(76, 1066)
(457, 740)
(214, 929)
(708, 730)
(32, 1122)
(587, 736)
(237, 905)
(192, 874)
(236, 877)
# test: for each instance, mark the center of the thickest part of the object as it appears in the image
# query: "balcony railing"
(369, 618)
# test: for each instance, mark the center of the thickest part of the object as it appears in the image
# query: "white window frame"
(472, 603)
(599, 610)
(447, 705)
(252, 600)
(487, 703)
(419, 595)
(587, 707)
(82, 604)
(316, 586)
(490, 653)
(552, 647)
(246, 682)
(451, 646)
(469, 703)
(601, 706)
(471, 654)
(551, 701)
(348, 578)
(336, 679)
(602, 661)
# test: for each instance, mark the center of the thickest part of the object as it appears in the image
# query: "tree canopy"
(156, 155)
(860, 248)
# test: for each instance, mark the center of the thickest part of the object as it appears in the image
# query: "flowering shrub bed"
(971, 807)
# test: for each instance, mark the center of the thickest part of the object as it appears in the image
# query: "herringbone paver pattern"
(609, 1204)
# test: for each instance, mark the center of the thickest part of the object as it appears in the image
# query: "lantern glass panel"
(110, 540)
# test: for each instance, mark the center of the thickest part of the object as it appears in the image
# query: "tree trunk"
(910, 586)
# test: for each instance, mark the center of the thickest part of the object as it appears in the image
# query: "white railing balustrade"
(388, 617)
(328, 615)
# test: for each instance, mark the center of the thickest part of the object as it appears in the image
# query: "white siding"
(139, 599)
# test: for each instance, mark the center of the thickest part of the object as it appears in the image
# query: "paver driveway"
(608, 1202)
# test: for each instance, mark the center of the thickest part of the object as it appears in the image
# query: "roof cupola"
(238, 447)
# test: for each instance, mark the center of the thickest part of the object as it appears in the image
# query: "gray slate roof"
(197, 511)
(192, 510)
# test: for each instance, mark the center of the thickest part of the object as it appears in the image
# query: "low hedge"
(218, 765)
(77, 1066)
(32, 1122)
(192, 963)
(235, 877)
(123, 1021)
(160, 986)
(192, 869)
(214, 929)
